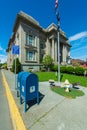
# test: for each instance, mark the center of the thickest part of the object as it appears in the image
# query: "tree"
(18, 66)
(3, 65)
(47, 62)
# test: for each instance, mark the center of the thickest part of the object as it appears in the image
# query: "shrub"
(18, 66)
(54, 67)
(63, 69)
(4, 66)
(70, 70)
(47, 62)
(79, 71)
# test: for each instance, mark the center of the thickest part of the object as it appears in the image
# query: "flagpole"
(58, 36)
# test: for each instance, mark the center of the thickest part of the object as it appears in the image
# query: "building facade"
(36, 42)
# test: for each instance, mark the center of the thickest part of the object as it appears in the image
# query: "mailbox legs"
(17, 93)
(25, 103)
(25, 107)
(37, 98)
(20, 100)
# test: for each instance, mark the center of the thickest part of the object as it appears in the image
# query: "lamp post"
(58, 36)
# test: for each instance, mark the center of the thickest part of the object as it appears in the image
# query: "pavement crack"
(45, 114)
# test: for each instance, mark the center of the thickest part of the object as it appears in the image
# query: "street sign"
(15, 49)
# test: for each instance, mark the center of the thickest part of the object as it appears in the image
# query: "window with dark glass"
(42, 45)
(30, 40)
(30, 55)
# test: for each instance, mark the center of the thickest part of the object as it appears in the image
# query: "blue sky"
(73, 17)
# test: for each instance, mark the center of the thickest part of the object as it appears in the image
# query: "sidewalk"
(54, 111)
(5, 117)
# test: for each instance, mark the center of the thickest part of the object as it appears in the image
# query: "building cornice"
(27, 18)
(21, 16)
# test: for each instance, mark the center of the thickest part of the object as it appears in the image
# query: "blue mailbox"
(19, 81)
(28, 88)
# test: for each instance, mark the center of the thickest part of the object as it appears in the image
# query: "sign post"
(15, 51)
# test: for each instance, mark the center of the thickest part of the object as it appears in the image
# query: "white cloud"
(83, 57)
(78, 36)
(79, 45)
(1, 49)
(79, 53)
(80, 49)
(3, 58)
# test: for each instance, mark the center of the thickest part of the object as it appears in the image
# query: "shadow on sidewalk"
(34, 101)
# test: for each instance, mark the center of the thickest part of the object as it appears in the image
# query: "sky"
(73, 21)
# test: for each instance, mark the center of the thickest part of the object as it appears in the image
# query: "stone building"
(35, 42)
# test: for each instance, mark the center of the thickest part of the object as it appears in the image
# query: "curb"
(18, 123)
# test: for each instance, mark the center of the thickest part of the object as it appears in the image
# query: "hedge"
(79, 71)
(69, 69)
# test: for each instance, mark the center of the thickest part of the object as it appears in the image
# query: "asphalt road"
(5, 119)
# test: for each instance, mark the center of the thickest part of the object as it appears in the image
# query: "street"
(5, 119)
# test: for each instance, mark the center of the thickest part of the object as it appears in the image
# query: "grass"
(45, 76)
(72, 94)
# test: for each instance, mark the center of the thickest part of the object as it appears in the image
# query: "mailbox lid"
(24, 77)
(32, 80)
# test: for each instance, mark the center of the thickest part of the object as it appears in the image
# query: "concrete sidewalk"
(5, 118)
(54, 112)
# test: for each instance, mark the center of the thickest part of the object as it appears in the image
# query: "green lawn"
(45, 76)
(72, 94)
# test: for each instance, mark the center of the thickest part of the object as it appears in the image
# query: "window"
(41, 57)
(30, 40)
(30, 55)
(42, 44)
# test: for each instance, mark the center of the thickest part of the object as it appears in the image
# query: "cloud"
(79, 53)
(83, 57)
(79, 49)
(79, 45)
(78, 36)
(3, 58)
(1, 49)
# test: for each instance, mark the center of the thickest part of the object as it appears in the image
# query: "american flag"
(56, 4)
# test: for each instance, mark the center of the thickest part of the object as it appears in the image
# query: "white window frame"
(30, 40)
(30, 55)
